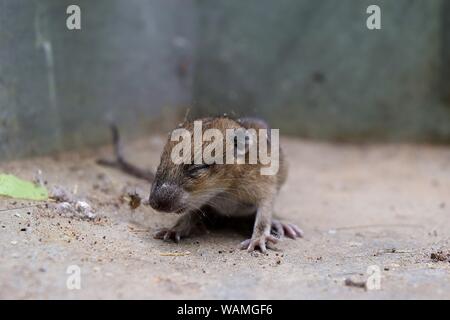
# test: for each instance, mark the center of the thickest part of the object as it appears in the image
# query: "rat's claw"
(168, 234)
(289, 230)
(277, 229)
(298, 231)
(160, 234)
(261, 242)
(244, 244)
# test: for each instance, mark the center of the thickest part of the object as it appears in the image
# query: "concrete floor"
(384, 205)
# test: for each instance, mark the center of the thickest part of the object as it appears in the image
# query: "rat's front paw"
(168, 234)
(260, 242)
(184, 227)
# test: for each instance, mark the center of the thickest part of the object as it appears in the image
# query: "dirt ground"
(382, 205)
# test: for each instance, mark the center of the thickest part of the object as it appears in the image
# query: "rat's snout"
(165, 197)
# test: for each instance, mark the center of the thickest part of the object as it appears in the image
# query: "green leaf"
(13, 187)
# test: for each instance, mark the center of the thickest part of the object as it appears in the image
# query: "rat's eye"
(196, 170)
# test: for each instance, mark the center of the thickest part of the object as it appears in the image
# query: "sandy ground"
(359, 206)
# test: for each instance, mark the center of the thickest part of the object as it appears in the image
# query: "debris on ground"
(14, 187)
(349, 282)
(135, 229)
(103, 183)
(440, 256)
(64, 207)
(80, 209)
(60, 194)
(39, 178)
(174, 254)
(67, 205)
(85, 209)
(133, 199)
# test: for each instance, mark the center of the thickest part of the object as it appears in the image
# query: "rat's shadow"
(212, 223)
(215, 222)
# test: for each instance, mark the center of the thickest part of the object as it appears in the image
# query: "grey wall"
(310, 66)
(130, 63)
(315, 70)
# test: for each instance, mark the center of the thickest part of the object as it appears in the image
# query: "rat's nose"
(164, 197)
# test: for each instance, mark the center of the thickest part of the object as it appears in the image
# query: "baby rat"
(231, 190)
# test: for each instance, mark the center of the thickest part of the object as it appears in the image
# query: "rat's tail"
(120, 162)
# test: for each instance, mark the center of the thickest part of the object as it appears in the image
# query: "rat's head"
(181, 187)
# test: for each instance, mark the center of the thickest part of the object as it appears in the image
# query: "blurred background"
(312, 68)
(369, 161)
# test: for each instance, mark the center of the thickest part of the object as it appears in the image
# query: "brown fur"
(244, 181)
(232, 189)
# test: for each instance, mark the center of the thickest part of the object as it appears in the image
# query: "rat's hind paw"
(281, 229)
(260, 242)
(168, 234)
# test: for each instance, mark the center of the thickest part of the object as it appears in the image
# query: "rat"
(198, 191)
